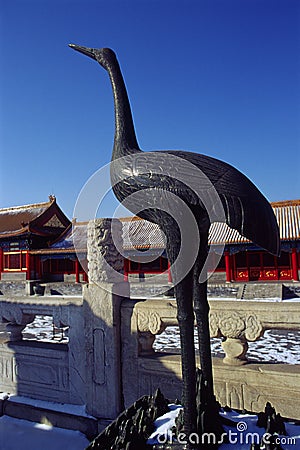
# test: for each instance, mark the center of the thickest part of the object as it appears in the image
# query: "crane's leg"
(208, 419)
(201, 308)
(185, 317)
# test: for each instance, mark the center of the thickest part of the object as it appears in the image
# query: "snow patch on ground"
(239, 437)
(17, 433)
(77, 410)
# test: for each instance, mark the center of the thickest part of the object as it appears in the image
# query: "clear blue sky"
(219, 77)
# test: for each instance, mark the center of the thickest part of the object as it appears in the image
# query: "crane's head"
(102, 55)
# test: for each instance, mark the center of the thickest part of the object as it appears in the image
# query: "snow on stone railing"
(17, 312)
(42, 370)
(85, 370)
(237, 384)
(236, 321)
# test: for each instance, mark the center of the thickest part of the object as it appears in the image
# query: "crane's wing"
(214, 191)
(246, 209)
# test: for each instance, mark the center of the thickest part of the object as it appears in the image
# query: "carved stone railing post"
(149, 324)
(105, 263)
(130, 352)
(235, 351)
(13, 321)
(237, 328)
(102, 298)
(73, 318)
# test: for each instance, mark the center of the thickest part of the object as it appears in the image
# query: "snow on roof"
(18, 217)
(75, 235)
(139, 233)
(287, 214)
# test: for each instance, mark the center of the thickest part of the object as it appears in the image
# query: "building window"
(14, 261)
(60, 266)
(13, 246)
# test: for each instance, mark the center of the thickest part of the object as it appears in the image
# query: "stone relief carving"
(235, 325)
(149, 324)
(12, 322)
(254, 329)
(54, 222)
(105, 263)
(231, 324)
(150, 321)
(237, 328)
(13, 313)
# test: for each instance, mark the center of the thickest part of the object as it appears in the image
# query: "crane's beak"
(85, 50)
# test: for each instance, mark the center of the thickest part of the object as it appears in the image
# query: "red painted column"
(77, 271)
(169, 273)
(1, 261)
(39, 274)
(126, 269)
(34, 265)
(295, 275)
(28, 266)
(227, 266)
(233, 267)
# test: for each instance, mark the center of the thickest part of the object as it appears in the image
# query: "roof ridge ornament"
(52, 198)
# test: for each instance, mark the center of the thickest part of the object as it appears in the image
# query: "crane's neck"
(125, 141)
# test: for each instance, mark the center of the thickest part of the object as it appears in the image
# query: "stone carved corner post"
(102, 298)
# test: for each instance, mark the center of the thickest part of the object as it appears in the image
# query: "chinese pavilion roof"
(74, 236)
(141, 234)
(287, 214)
(43, 219)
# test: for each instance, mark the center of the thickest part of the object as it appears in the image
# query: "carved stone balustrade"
(85, 371)
(236, 321)
(13, 321)
(109, 361)
(42, 370)
(248, 386)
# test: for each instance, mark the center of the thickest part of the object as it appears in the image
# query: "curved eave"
(63, 234)
(15, 233)
(143, 247)
(48, 213)
(53, 232)
(54, 251)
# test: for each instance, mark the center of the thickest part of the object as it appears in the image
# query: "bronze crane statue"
(140, 187)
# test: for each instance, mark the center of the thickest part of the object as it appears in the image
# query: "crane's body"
(139, 181)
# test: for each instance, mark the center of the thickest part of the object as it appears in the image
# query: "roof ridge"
(131, 219)
(33, 205)
(286, 203)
